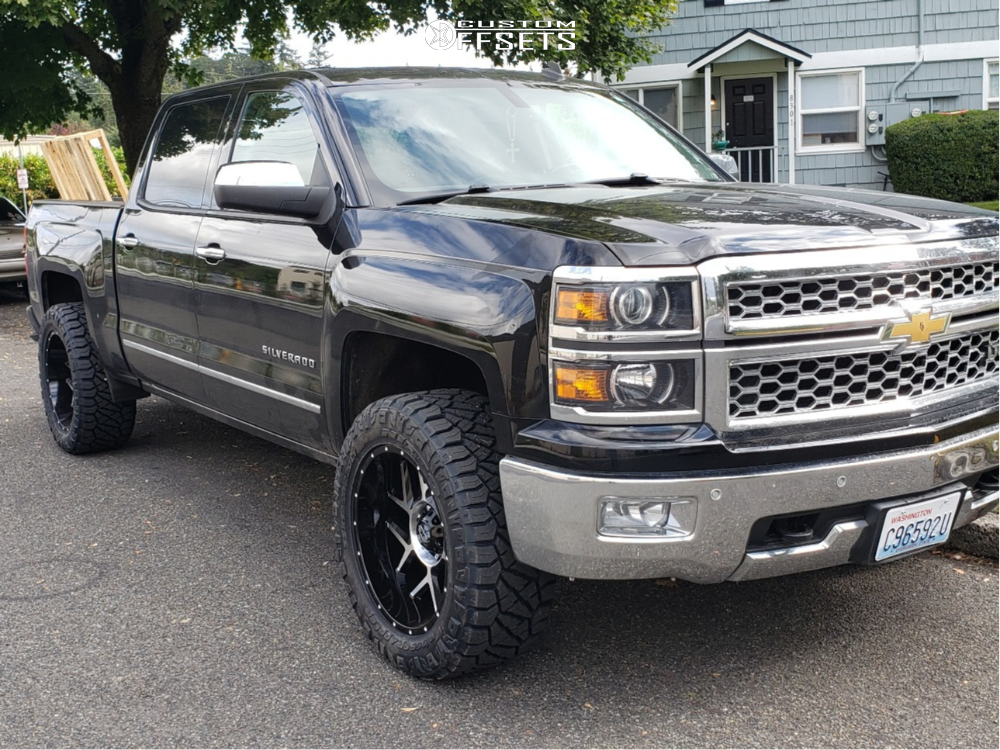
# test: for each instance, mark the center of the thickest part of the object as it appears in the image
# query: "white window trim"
(986, 82)
(679, 97)
(832, 148)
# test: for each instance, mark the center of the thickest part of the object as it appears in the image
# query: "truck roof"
(337, 76)
(349, 76)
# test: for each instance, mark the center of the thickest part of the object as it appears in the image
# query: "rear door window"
(183, 154)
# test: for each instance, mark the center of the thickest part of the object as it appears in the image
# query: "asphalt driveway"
(181, 592)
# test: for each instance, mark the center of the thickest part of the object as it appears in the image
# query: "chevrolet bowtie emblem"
(919, 328)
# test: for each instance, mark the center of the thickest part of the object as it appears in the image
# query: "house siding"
(831, 26)
(826, 25)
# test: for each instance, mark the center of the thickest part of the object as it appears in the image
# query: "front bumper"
(552, 515)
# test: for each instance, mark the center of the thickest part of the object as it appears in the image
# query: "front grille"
(809, 384)
(828, 294)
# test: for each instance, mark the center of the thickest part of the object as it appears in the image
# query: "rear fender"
(74, 241)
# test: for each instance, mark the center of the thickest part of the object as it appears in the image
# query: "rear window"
(182, 156)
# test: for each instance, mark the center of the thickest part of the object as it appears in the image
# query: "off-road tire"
(82, 416)
(493, 606)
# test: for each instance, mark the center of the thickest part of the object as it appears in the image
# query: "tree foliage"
(132, 45)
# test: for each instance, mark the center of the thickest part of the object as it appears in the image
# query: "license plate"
(912, 527)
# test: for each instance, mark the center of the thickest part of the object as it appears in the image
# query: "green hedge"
(951, 157)
(40, 180)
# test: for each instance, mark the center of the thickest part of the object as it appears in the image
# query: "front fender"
(487, 315)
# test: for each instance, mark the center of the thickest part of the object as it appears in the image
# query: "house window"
(663, 101)
(831, 104)
(991, 85)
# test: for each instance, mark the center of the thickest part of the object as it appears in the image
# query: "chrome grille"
(829, 294)
(810, 384)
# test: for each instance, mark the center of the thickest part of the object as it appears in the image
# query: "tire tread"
(99, 423)
(502, 605)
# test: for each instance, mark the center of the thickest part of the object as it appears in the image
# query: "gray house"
(804, 89)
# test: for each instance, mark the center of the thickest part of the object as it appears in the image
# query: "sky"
(391, 49)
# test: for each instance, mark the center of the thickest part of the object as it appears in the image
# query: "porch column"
(792, 139)
(708, 109)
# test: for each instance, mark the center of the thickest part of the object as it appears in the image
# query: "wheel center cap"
(425, 532)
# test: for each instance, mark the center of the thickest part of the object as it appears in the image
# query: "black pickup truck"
(537, 332)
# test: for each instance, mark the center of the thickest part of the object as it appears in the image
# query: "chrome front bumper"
(552, 516)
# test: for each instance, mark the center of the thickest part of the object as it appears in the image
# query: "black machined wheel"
(423, 541)
(57, 379)
(81, 413)
(400, 540)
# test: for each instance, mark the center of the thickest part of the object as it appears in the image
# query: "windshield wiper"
(438, 197)
(636, 178)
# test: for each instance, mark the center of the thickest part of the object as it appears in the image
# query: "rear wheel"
(82, 416)
(423, 539)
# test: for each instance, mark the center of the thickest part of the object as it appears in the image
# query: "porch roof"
(751, 36)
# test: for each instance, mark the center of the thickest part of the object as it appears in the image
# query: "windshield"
(424, 139)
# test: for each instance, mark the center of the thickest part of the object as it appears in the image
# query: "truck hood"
(684, 223)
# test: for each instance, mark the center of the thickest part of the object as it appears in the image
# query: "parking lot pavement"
(180, 591)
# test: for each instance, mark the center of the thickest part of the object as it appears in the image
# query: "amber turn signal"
(575, 306)
(583, 384)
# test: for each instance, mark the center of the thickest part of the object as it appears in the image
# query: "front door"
(750, 125)
(260, 282)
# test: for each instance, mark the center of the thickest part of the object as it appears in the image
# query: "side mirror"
(269, 187)
(727, 162)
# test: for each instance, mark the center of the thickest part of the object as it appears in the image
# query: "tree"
(318, 55)
(131, 45)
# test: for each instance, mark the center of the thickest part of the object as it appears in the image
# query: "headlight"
(625, 304)
(665, 386)
(625, 307)
(642, 360)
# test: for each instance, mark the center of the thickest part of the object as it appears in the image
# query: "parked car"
(11, 243)
(537, 332)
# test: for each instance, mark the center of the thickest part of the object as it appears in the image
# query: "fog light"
(671, 518)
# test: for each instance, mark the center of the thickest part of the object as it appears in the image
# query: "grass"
(991, 205)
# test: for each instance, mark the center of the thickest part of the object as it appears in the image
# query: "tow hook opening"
(777, 532)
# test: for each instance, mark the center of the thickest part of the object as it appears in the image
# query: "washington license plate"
(912, 527)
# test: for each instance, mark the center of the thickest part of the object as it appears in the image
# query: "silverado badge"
(919, 328)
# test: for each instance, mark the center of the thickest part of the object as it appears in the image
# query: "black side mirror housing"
(285, 200)
(269, 187)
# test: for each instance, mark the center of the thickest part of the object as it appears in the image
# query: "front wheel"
(82, 415)
(423, 539)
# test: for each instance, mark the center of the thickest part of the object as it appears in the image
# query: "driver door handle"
(211, 252)
(128, 241)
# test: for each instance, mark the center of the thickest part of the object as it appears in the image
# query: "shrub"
(40, 180)
(949, 156)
